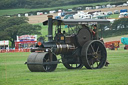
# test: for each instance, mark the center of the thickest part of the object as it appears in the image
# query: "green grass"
(114, 16)
(22, 10)
(13, 71)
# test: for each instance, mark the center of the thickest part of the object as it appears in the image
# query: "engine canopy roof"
(78, 21)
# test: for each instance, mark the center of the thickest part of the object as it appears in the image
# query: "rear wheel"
(71, 63)
(94, 54)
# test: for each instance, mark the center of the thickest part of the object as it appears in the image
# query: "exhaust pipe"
(50, 28)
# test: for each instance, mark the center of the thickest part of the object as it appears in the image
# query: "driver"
(94, 32)
(59, 36)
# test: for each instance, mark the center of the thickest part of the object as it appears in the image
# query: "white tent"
(4, 44)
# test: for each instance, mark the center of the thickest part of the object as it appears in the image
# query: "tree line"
(7, 4)
(119, 27)
(10, 27)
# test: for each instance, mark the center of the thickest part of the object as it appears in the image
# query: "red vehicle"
(113, 45)
(126, 47)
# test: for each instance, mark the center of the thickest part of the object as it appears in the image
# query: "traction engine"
(76, 49)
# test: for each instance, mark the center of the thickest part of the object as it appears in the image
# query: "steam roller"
(75, 46)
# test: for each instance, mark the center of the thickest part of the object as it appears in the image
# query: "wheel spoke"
(97, 49)
(98, 60)
(92, 48)
(97, 64)
(92, 62)
(46, 67)
(99, 52)
(99, 56)
(90, 54)
(76, 65)
(45, 59)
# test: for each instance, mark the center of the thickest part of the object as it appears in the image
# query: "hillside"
(41, 18)
(8, 4)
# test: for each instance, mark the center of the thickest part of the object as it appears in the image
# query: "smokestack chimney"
(50, 28)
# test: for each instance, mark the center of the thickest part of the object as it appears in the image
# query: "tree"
(120, 23)
(16, 26)
(7, 4)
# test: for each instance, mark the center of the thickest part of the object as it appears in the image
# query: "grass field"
(22, 10)
(114, 16)
(13, 71)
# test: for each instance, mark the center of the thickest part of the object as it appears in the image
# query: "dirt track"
(41, 18)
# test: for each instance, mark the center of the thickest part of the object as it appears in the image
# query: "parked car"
(116, 12)
(109, 13)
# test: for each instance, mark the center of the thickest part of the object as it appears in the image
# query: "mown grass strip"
(13, 71)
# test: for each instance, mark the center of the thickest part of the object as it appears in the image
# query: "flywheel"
(83, 36)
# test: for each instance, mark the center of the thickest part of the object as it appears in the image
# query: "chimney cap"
(50, 16)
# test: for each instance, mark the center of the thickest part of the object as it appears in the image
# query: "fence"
(12, 50)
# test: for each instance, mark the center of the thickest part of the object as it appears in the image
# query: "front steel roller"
(42, 62)
(94, 54)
